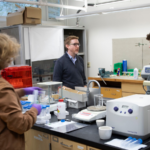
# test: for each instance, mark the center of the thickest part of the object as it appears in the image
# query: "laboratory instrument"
(145, 72)
(103, 73)
(130, 116)
(92, 113)
(49, 88)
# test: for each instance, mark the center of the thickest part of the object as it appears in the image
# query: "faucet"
(88, 91)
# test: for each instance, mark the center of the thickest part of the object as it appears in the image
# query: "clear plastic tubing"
(134, 143)
(47, 109)
(126, 140)
(44, 111)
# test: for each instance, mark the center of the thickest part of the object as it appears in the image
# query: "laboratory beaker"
(98, 100)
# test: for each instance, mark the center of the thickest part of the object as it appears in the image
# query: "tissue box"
(27, 15)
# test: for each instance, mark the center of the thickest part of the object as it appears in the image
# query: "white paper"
(117, 143)
(59, 124)
(46, 43)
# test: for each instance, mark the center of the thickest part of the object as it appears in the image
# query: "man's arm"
(58, 72)
(84, 78)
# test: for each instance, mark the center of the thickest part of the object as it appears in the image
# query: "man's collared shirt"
(73, 59)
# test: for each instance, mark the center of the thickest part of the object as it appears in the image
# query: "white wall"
(102, 29)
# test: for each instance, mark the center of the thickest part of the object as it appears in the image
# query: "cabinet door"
(111, 92)
(133, 88)
(63, 144)
(36, 140)
(92, 148)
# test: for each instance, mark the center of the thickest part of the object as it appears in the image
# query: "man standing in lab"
(69, 69)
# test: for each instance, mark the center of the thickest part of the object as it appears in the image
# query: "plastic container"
(18, 76)
(61, 110)
(135, 73)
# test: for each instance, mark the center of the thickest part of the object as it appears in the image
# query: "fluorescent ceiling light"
(112, 2)
(105, 11)
(41, 3)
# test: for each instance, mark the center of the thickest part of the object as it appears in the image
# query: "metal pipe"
(88, 91)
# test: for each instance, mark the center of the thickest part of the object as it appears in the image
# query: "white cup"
(105, 132)
(100, 123)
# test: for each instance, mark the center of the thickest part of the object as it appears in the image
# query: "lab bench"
(87, 138)
(118, 87)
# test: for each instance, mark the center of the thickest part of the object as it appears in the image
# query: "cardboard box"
(27, 15)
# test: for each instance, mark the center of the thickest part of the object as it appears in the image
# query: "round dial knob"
(116, 108)
(130, 111)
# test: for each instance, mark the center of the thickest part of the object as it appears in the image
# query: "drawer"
(124, 94)
(111, 92)
(92, 148)
(36, 140)
(58, 143)
(133, 88)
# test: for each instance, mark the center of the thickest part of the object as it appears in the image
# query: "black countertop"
(87, 135)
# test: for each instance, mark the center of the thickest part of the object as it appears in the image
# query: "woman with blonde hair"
(13, 123)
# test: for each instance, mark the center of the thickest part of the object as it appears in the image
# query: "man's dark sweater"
(69, 73)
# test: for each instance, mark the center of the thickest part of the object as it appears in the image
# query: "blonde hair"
(9, 48)
(69, 38)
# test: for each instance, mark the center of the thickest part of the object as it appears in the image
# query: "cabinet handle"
(107, 90)
(55, 139)
(113, 94)
(68, 146)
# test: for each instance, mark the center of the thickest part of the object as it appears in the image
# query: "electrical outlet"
(88, 65)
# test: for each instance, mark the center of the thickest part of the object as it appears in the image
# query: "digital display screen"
(147, 70)
(125, 106)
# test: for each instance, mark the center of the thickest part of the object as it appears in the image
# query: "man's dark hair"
(148, 37)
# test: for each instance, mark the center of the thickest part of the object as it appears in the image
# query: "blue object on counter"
(124, 63)
(62, 120)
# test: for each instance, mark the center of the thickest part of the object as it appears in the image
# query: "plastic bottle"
(126, 140)
(61, 110)
(136, 73)
(135, 143)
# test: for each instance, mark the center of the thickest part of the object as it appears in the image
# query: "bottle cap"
(140, 141)
(62, 120)
(61, 100)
